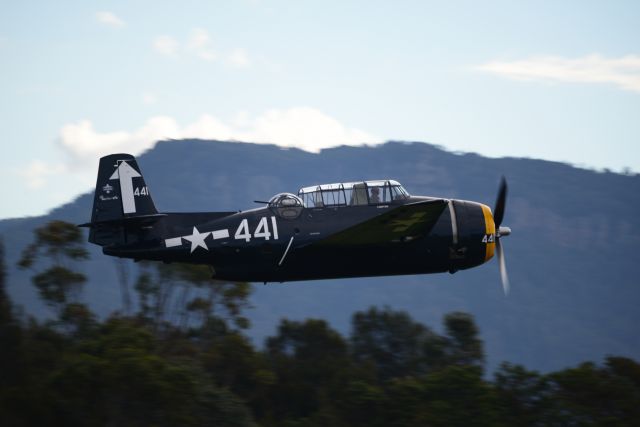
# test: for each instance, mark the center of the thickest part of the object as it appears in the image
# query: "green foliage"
(391, 341)
(114, 375)
(182, 360)
(397, 346)
(121, 372)
(464, 347)
(118, 377)
(78, 319)
(234, 363)
(187, 295)
(363, 403)
(458, 396)
(524, 394)
(310, 361)
(598, 396)
(5, 303)
(10, 345)
(61, 243)
(57, 240)
(57, 285)
(147, 290)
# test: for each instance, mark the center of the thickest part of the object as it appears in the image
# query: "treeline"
(176, 355)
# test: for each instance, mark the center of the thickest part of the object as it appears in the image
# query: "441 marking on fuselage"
(197, 238)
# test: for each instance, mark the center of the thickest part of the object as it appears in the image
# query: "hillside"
(572, 255)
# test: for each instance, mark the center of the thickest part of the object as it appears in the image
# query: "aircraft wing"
(406, 222)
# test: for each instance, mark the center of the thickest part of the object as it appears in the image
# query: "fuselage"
(264, 245)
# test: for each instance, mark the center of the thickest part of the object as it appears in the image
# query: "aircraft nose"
(489, 238)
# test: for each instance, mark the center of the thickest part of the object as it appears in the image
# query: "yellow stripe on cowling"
(490, 230)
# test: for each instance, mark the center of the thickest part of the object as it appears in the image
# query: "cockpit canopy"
(286, 205)
(284, 200)
(352, 193)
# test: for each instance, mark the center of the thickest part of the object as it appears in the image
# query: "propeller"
(498, 216)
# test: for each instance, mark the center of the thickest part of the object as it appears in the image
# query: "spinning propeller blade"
(503, 268)
(498, 211)
(498, 216)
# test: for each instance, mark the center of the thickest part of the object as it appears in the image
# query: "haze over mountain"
(572, 257)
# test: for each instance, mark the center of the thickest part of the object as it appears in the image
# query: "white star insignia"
(197, 239)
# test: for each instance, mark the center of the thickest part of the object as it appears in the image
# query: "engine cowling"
(473, 234)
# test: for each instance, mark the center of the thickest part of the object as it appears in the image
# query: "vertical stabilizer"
(121, 203)
(120, 190)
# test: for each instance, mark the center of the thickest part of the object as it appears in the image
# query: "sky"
(540, 79)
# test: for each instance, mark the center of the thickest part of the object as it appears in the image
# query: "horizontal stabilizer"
(132, 220)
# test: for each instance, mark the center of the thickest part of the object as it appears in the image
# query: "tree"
(310, 361)
(597, 396)
(234, 363)
(524, 395)
(118, 377)
(463, 343)
(458, 396)
(11, 371)
(6, 314)
(185, 295)
(61, 243)
(364, 402)
(25, 397)
(392, 342)
(122, 270)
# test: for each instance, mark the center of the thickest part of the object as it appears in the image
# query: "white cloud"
(38, 172)
(301, 127)
(200, 44)
(239, 58)
(210, 127)
(624, 72)
(166, 45)
(84, 144)
(110, 19)
(305, 128)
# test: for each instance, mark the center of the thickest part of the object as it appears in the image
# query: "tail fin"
(121, 199)
(120, 190)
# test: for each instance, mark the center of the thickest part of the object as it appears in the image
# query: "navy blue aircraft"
(354, 229)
